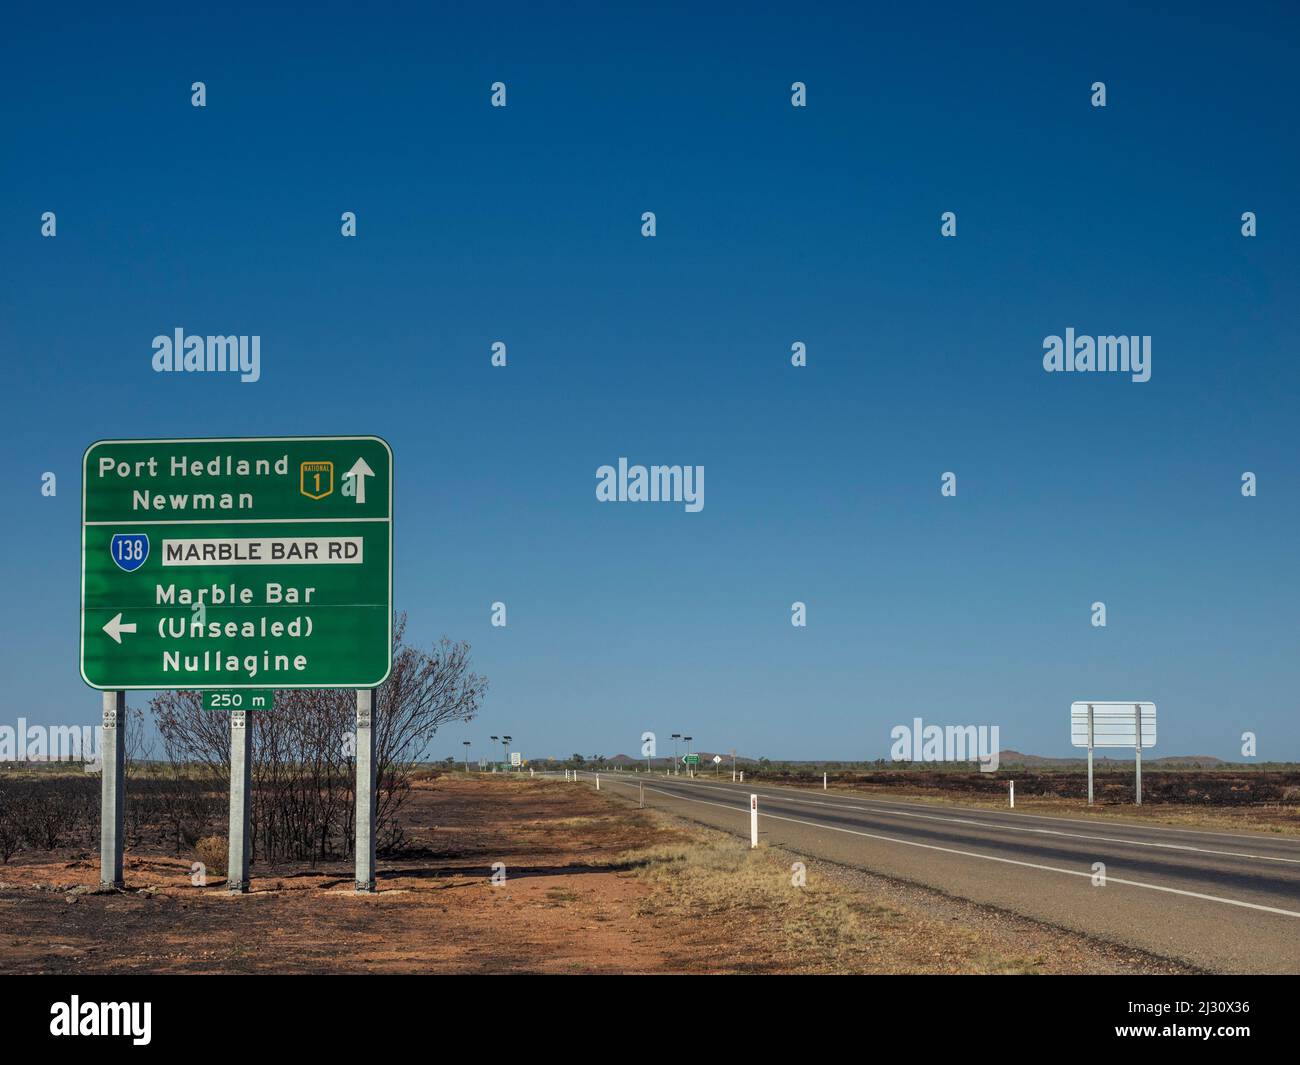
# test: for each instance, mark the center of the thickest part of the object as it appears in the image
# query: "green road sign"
(690, 759)
(263, 562)
(252, 699)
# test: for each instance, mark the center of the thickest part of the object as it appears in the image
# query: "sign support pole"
(1137, 712)
(1090, 754)
(112, 755)
(240, 801)
(365, 792)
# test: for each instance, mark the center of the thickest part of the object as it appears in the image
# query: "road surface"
(1222, 901)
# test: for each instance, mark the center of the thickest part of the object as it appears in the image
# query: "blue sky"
(775, 224)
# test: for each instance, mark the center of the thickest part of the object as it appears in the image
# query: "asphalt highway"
(1222, 901)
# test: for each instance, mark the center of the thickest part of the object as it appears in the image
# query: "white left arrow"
(359, 472)
(116, 626)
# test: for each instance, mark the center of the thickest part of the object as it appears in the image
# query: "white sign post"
(753, 821)
(1111, 724)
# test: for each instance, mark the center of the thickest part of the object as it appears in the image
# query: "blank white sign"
(1113, 724)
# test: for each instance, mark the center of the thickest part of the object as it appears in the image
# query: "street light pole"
(505, 751)
(466, 743)
(689, 768)
(676, 736)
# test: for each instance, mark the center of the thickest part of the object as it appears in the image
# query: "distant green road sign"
(690, 759)
(261, 562)
(250, 699)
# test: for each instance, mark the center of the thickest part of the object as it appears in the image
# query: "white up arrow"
(359, 472)
(116, 626)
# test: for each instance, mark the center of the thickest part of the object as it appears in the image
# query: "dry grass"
(212, 851)
(573, 822)
(818, 927)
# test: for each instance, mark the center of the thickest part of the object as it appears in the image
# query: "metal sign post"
(365, 793)
(112, 756)
(241, 794)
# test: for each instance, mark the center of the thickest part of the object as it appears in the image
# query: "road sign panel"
(241, 699)
(1113, 724)
(690, 759)
(237, 563)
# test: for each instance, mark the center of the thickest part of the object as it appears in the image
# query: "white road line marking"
(986, 857)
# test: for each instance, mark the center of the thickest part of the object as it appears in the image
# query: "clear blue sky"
(775, 224)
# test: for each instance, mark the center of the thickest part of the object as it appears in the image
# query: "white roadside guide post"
(823, 782)
(598, 782)
(112, 756)
(365, 792)
(641, 801)
(241, 737)
(753, 821)
(1013, 794)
